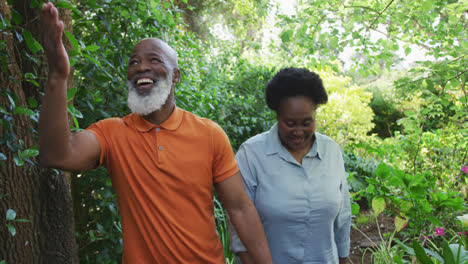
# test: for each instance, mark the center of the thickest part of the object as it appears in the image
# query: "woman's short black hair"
(292, 82)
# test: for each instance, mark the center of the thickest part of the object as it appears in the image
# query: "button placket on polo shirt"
(158, 146)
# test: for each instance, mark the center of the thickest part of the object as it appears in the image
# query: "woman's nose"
(298, 132)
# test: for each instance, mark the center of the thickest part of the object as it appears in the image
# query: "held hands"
(59, 65)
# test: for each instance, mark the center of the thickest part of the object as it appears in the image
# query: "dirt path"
(361, 247)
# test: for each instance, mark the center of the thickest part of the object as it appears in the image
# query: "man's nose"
(143, 67)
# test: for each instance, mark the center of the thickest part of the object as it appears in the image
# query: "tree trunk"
(39, 195)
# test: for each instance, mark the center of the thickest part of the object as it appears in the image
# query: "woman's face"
(296, 122)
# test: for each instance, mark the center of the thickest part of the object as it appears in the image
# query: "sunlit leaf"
(286, 35)
(23, 111)
(75, 112)
(378, 205)
(355, 208)
(400, 223)
(28, 153)
(383, 171)
(63, 4)
(10, 215)
(92, 48)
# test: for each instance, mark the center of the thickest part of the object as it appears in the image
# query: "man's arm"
(244, 217)
(58, 147)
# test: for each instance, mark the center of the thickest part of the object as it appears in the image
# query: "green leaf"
(22, 220)
(71, 93)
(12, 101)
(452, 19)
(400, 223)
(447, 254)
(92, 48)
(91, 235)
(355, 208)
(28, 153)
(2, 157)
(31, 42)
(23, 111)
(16, 17)
(286, 35)
(10, 215)
(460, 251)
(407, 51)
(32, 102)
(93, 60)
(3, 24)
(72, 40)
(34, 3)
(12, 229)
(74, 112)
(378, 205)
(63, 4)
(383, 171)
(421, 254)
(334, 42)
(409, 113)
(18, 161)
(428, 5)
(29, 75)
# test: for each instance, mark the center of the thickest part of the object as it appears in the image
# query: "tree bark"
(39, 195)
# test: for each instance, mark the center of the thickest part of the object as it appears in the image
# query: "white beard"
(146, 104)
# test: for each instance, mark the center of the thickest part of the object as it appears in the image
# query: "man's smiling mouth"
(144, 81)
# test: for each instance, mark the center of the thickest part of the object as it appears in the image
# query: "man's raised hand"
(59, 66)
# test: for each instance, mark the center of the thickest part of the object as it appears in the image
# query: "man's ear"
(175, 75)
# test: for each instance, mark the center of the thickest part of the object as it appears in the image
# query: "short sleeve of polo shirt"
(100, 130)
(224, 162)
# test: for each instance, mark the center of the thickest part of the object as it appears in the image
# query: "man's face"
(148, 64)
(150, 77)
(296, 123)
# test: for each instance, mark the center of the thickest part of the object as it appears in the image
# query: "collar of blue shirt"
(274, 145)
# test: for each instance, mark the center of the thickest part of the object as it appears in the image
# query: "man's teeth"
(144, 81)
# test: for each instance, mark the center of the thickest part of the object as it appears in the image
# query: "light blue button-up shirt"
(304, 209)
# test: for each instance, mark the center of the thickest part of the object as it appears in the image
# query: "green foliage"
(415, 196)
(347, 117)
(11, 219)
(239, 96)
(447, 253)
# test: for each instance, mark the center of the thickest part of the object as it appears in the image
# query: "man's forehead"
(155, 45)
(148, 45)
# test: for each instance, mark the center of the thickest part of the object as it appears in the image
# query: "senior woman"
(295, 176)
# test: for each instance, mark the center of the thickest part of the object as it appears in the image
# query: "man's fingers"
(53, 26)
(49, 12)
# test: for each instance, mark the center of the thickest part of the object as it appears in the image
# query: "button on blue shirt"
(304, 209)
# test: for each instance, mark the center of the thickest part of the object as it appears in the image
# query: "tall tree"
(39, 225)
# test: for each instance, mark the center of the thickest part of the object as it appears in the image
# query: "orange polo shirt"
(163, 176)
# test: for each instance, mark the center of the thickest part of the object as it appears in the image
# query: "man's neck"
(160, 116)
